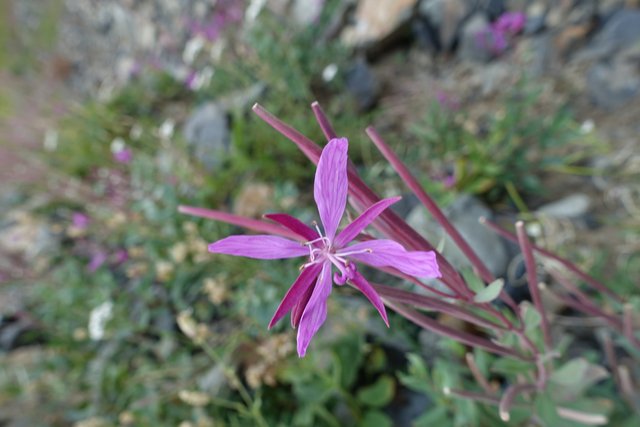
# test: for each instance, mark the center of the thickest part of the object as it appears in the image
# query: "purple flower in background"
(97, 259)
(492, 40)
(120, 256)
(123, 155)
(80, 220)
(449, 180)
(225, 12)
(447, 101)
(510, 23)
(307, 297)
(190, 80)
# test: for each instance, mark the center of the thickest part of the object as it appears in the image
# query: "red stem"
(323, 121)
(532, 281)
(428, 202)
(432, 325)
(362, 197)
(566, 263)
(429, 303)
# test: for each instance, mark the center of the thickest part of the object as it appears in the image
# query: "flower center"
(321, 250)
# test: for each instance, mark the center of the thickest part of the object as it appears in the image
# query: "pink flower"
(120, 256)
(123, 155)
(492, 40)
(446, 101)
(449, 180)
(80, 220)
(510, 23)
(97, 259)
(307, 297)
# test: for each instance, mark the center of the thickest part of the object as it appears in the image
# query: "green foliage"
(508, 152)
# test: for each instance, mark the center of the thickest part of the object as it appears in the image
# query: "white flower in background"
(587, 126)
(166, 129)
(50, 140)
(98, 319)
(329, 72)
(254, 9)
(117, 145)
(191, 49)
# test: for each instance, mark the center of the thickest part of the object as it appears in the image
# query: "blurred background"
(114, 112)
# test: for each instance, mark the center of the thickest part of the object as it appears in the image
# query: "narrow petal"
(294, 224)
(359, 224)
(315, 312)
(363, 286)
(298, 308)
(387, 253)
(260, 247)
(296, 292)
(331, 184)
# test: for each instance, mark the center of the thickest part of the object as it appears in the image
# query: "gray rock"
(612, 85)
(571, 207)
(207, 134)
(536, 17)
(470, 48)
(378, 21)
(621, 31)
(26, 236)
(445, 17)
(464, 213)
(542, 53)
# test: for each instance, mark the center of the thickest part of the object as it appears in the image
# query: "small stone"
(363, 85)
(305, 12)
(207, 133)
(570, 207)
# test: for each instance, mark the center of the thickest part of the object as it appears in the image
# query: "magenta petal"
(298, 308)
(354, 228)
(260, 247)
(363, 286)
(315, 312)
(330, 185)
(294, 224)
(296, 292)
(387, 253)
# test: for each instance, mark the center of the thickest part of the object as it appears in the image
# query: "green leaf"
(350, 357)
(530, 316)
(438, 416)
(379, 393)
(375, 418)
(473, 281)
(510, 366)
(575, 376)
(490, 292)
(546, 411)
(571, 372)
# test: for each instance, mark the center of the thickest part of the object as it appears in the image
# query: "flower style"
(307, 297)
